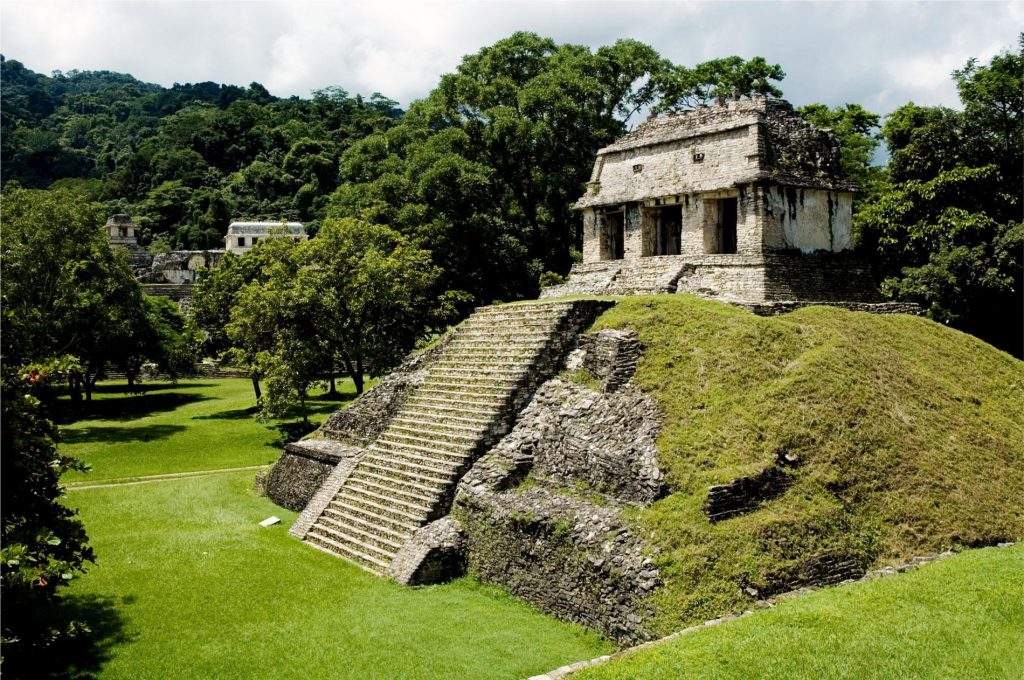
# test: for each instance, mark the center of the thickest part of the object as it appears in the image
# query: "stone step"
(439, 417)
(423, 495)
(487, 387)
(435, 423)
(377, 563)
(360, 533)
(554, 309)
(433, 466)
(446, 445)
(354, 489)
(456, 393)
(472, 378)
(390, 525)
(390, 514)
(497, 343)
(386, 472)
(482, 363)
(526, 324)
(472, 348)
(388, 446)
(474, 400)
(428, 404)
(480, 371)
(450, 434)
(504, 332)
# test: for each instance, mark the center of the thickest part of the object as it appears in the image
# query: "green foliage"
(548, 279)
(947, 233)
(357, 296)
(65, 291)
(857, 131)
(680, 87)
(44, 543)
(183, 160)
(958, 618)
(908, 436)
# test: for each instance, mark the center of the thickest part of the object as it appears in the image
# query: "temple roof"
(788, 150)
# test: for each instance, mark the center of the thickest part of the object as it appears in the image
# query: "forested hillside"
(183, 160)
(482, 171)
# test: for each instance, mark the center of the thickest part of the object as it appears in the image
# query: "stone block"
(436, 553)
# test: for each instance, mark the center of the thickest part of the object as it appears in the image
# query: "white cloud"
(879, 54)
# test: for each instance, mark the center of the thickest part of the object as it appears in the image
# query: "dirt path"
(128, 481)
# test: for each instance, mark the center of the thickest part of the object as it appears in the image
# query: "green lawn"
(193, 425)
(962, 617)
(188, 585)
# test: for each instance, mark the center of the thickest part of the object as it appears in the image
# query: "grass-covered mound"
(909, 439)
(961, 617)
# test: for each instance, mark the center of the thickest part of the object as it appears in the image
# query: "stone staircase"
(585, 278)
(408, 475)
(655, 274)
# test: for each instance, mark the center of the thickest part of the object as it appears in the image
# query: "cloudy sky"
(877, 54)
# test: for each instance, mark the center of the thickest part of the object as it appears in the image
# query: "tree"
(371, 288)
(857, 131)
(216, 293)
(947, 231)
(358, 296)
(679, 87)
(44, 543)
(65, 292)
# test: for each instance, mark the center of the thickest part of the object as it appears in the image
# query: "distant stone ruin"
(743, 201)
(242, 236)
(172, 274)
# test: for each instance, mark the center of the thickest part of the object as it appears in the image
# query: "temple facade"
(743, 201)
(242, 236)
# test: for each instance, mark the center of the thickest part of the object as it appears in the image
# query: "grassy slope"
(203, 591)
(911, 437)
(192, 425)
(188, 585)
(962, 617)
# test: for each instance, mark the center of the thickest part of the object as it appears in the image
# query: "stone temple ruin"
(173, 274)
(472, 453)
(743, 201)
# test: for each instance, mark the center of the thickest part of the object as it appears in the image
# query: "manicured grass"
(188, 585)
(908, 437)
(962, 617)
(202, 424)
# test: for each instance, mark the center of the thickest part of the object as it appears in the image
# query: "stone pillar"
(591, 236)
(693, 226)
(633, 232)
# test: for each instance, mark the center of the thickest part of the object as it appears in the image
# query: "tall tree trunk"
(334, 388)
(256, 386)
(75, 386)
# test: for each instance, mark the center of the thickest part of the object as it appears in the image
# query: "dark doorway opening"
(669, 231)
(614, 236)
(727, 225)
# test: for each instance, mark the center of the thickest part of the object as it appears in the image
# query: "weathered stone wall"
(572, 559)
(180, 267)
(604, 441)
(609, 355)
(302, 469)
(569, 554)
(808, 220)
(729, 156)
(745, 494)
